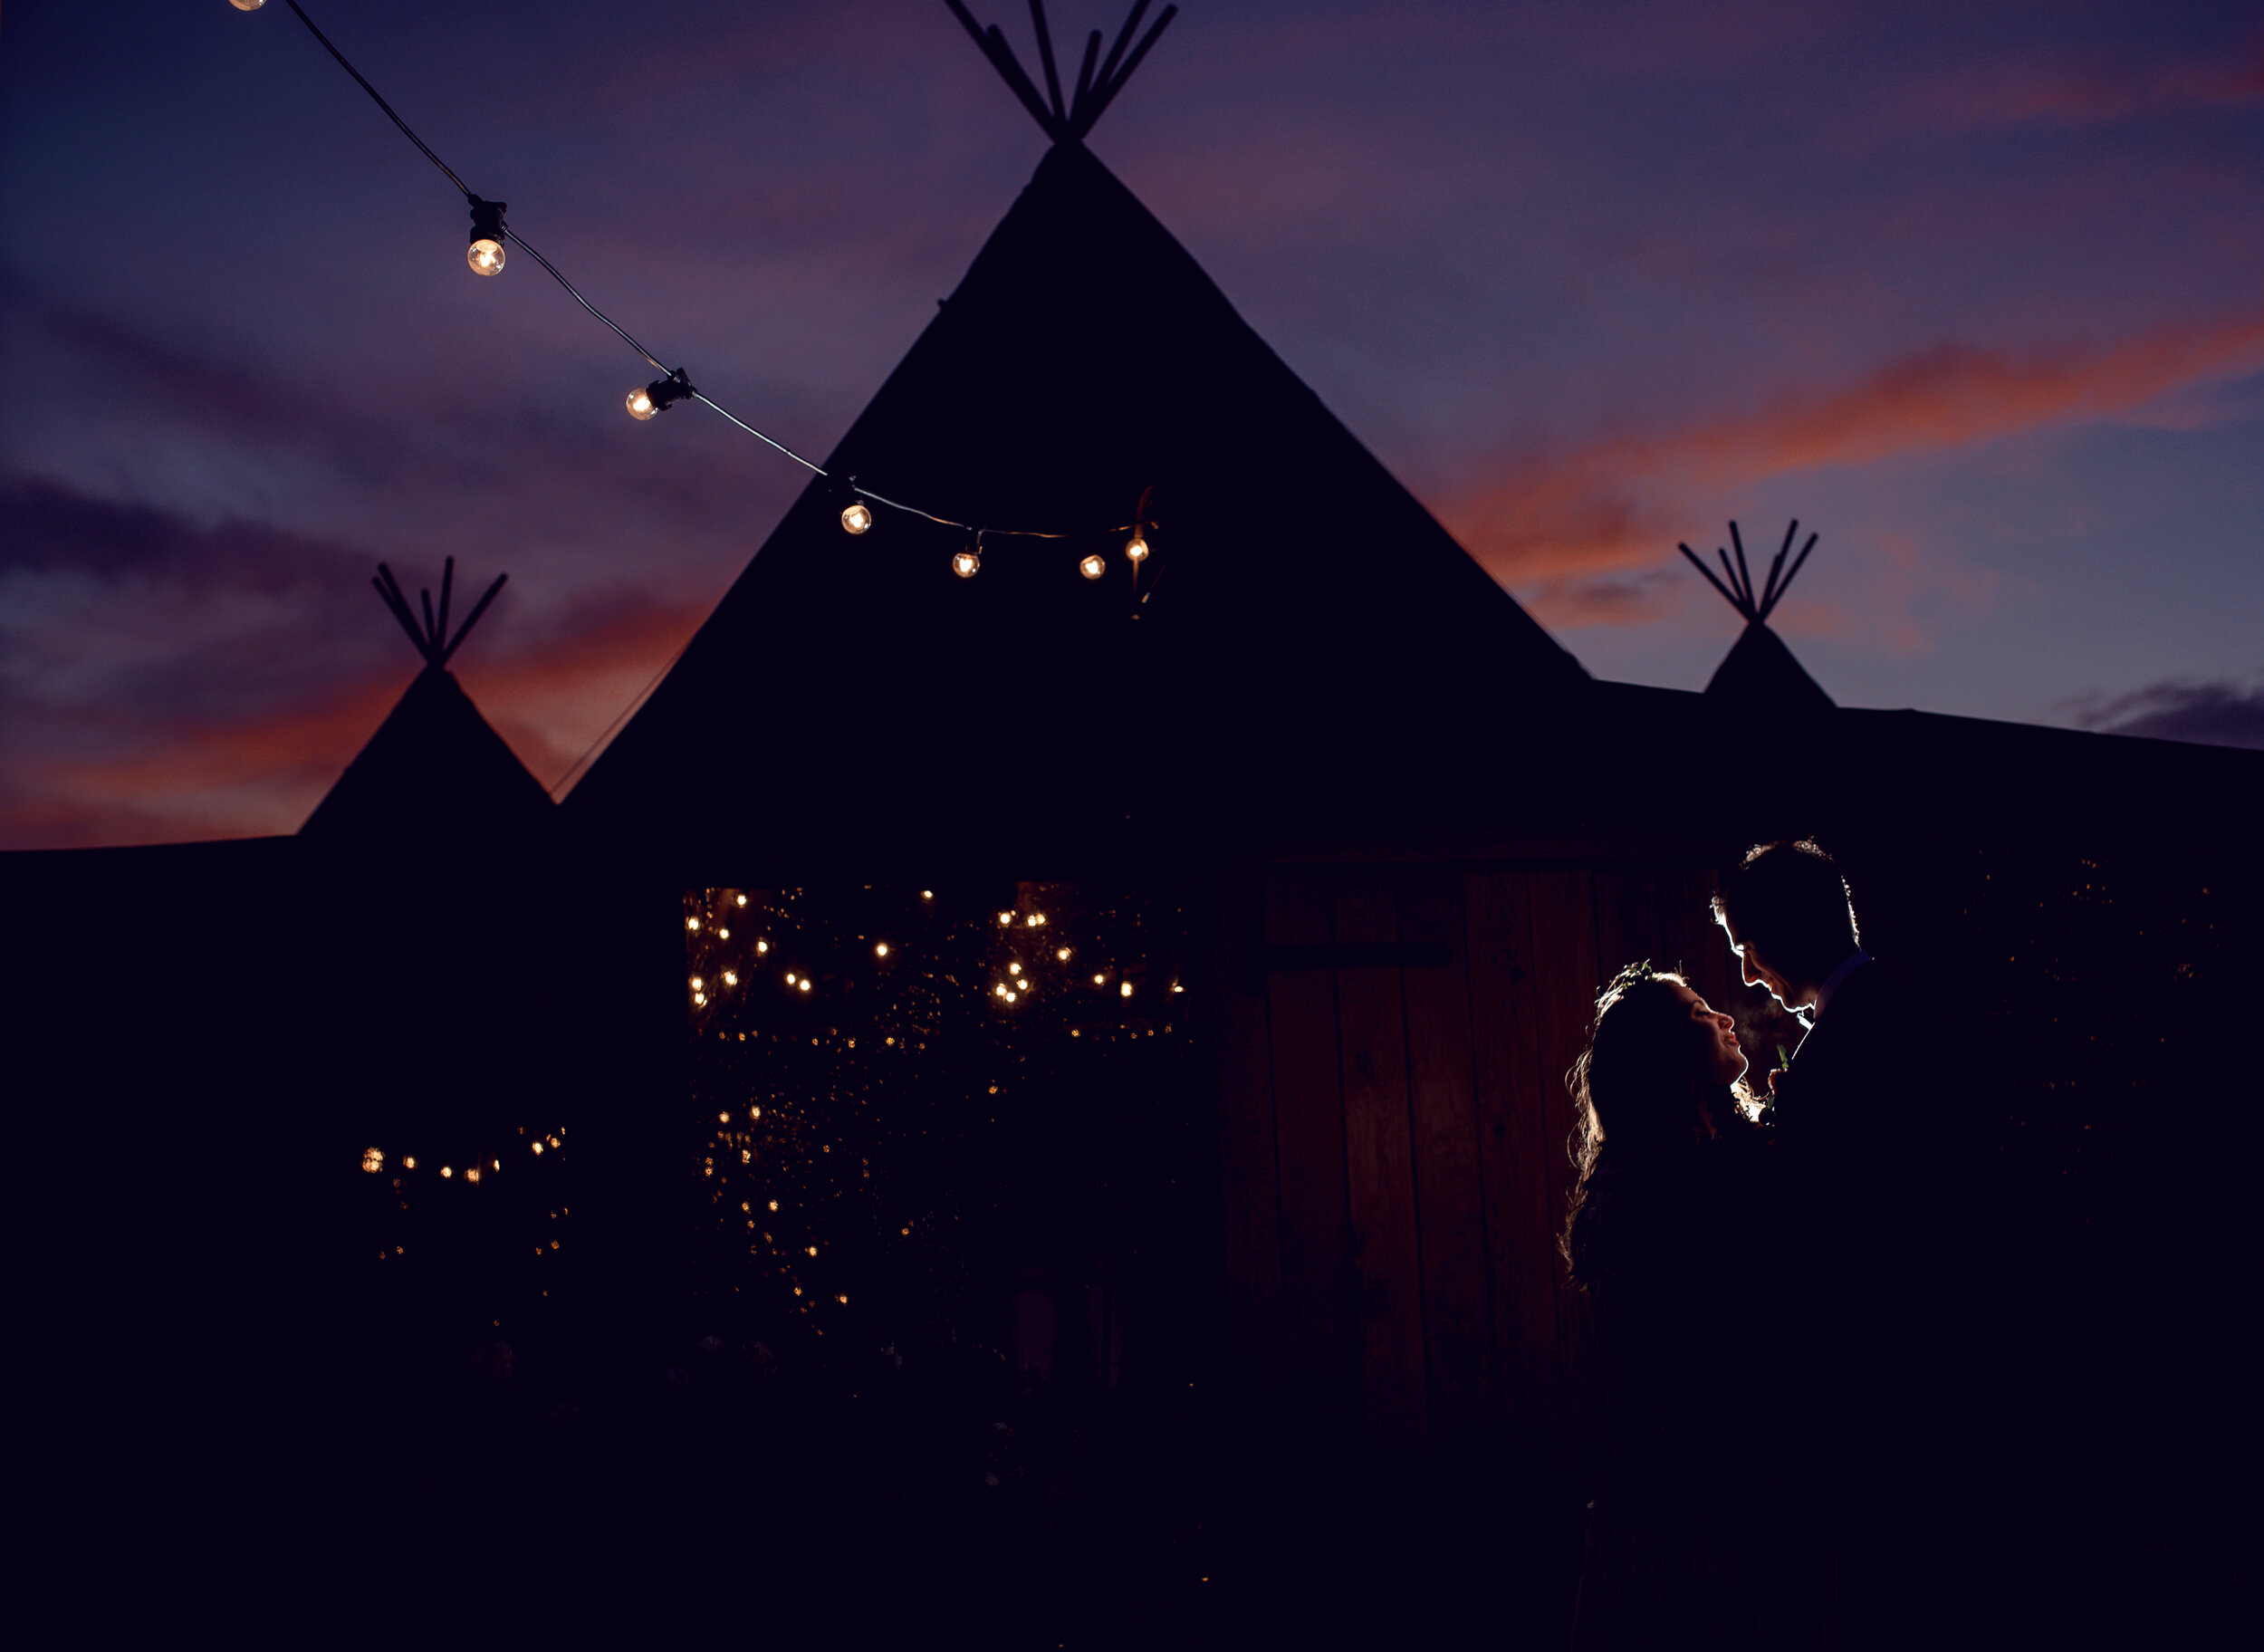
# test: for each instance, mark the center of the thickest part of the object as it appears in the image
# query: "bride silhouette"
(1691, 1543)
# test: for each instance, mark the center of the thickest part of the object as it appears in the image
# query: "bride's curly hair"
(1639, 1083)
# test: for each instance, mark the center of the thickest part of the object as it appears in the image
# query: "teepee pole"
(1045, 58)
(1696, 563)
(1768, 586)
(473, 617)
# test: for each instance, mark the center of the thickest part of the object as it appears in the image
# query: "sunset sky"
(1975, 290)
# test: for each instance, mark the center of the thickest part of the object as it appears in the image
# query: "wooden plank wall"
(1394, 1135)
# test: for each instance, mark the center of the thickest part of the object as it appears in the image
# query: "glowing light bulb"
(813, 1249)
(538, 1149)
(880, 949)
(408, 1164)
(928, 894)
(743, 900)
(691, 923)
(730, 979)
(699, 998)
(723, 1118)
(722, 935)
(762, 947)
(1100, 980)
(373, 1161)
(1014, 969)
(966, 564)
(486, 254)
(1000, 989)
(1063, 955)
(773, 1203)
(697, 984)
(1125, 990)
(247, 5)
(1006, 918)
(856, 517)
(805, 984)
(757, 1113)
(472, 1175)
(1092, 567)
(446, 1171)
(641, 406)
(1136, 547)
(1037, 920)
(789, 978)
(1012, 996)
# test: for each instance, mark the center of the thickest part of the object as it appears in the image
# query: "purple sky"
(1976, 289)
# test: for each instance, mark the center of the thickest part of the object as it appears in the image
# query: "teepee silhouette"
(1759, 669)
(435, 770)
(1304, 630)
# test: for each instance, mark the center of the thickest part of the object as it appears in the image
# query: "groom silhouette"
(1854, 1224)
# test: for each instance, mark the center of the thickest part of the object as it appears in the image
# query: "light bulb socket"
(487, 219)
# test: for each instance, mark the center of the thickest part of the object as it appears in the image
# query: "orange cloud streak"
(1617, 503)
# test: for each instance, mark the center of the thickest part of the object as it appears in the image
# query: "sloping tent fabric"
(1308, 640)
(1761, 671)
(435, 771)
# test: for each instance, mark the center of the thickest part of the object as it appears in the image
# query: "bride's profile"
(1685, 1545)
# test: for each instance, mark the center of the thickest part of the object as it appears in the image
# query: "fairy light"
(373, 1161)
(1062, 953)
(805, 984)
(761, 948)
(247, 5)
(1100, 980)
(697, 984)
(966, 563)
(538, 1148)
(446, 1172)
(1014, 969)
(1092, 567)
(408, 1164)
(1037, 920)
(743, 900)
(1125, 990)
(730, 979)
(1137, 548)
(472, 1174)
(880, 949)
(789, 978)
(1005, 917)
(692, 923)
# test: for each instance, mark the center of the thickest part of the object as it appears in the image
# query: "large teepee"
(434, 772)
(1305, 638)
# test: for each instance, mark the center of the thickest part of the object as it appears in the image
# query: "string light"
(373, 1161)
(743, 900)
(1037, 920)
(408, 1164)
(446, 1172)
(1063, 955)
(691, 923)
(880, 949)
(486, 254)
(1125, 990)
(967, 563)
(1137, 548)
(805, 984)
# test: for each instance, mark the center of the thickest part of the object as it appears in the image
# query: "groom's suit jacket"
(1861, 1218)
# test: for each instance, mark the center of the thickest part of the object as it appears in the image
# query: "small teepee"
(433, 771)
(1760, 670)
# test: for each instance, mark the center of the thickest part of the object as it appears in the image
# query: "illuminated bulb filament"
(641, 406)
(1137, 548)
(856, 517)
(1092, 567)
(966, 564)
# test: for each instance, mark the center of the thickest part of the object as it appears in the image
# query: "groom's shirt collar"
(1854, 961)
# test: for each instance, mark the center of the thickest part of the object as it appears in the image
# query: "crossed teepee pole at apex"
(1739, 592)
(431, 637)
(1098, 80)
